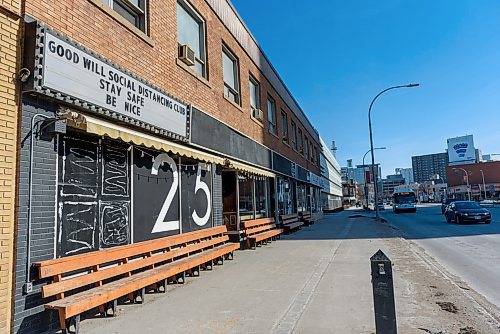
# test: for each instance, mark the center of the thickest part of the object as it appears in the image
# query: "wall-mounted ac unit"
(258, 114)
(186, 55)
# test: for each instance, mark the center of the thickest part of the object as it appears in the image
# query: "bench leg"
(232, 255)
(77, 324)
(114, 306)
(196, 271)
(180, 278)
(141, 293)
(62, 322)
(164, 285)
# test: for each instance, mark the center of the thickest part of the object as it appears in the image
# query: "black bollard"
(383, 294)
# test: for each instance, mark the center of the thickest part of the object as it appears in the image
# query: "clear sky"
(335, 56)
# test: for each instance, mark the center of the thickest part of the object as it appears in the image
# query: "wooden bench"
(97, 280)
(291, 222)
(260, 231)
(306, 217)
(309, 219)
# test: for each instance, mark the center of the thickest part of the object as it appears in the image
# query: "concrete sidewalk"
(314, 281)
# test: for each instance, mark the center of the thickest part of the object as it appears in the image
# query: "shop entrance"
(229, 200)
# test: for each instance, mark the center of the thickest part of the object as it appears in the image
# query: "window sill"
(232, 102)
(286, 143)
(117, 17)
(192, 72)
(256, 120)
(274, 135)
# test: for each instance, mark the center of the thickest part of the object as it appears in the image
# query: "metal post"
(383, 294)
(371, 136)
(484, 184)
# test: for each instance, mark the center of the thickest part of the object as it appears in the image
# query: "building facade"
(10, 55)
(407, 174)
(143, 120)
(331, 181)
(390, 183)
(479, 180)
(427, 167)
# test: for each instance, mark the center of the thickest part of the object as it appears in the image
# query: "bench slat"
(259, 229)
(105, 273)
(83, 261)
(294, 225)
(89, 299)
(266, 235)
(257, 222)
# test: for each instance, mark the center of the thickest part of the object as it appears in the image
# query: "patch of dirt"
(468, 330)
(439, 294)
(448, 307)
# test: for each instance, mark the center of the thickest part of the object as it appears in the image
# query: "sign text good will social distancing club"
(73, 72)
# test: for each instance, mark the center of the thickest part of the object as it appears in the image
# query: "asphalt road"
(471, 252)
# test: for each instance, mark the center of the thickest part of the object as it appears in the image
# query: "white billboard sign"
(461, 149)
(78, 74)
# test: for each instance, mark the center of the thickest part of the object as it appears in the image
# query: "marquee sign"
(70, 72)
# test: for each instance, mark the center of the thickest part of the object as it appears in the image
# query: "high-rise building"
(430, 166)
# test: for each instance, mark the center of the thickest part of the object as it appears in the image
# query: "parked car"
(445, 202)
(467, 212)
(381, 206)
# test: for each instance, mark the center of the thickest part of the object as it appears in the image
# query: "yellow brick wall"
(10, 32)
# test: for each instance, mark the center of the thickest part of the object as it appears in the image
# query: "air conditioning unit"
(186, 54)
(258, 114)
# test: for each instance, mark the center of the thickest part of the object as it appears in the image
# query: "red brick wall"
(153, 57)
(491, 172)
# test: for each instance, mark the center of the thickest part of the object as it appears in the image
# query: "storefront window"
(261, 206)
(285, 197)
(246, 197)
(301, 197)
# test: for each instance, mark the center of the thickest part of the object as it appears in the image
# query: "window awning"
(104, 128)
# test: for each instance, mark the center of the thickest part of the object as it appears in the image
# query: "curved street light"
(371, 138)
(467, 177)
(365, 189)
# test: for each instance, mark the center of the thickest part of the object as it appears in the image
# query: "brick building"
(144, 119)
(10, 30)
(458, 175)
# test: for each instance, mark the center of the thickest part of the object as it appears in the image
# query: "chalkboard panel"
(156, 195)
(196, 195)
(77, 227)
(78, 176)
(114, 223)
(115, 178)
(94, 197)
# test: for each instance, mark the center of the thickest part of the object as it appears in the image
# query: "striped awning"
(105, 128)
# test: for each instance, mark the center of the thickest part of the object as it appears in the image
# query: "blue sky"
(335, 56)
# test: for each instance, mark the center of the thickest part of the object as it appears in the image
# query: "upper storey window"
(134, 11)
(191, 33)
(231, 76)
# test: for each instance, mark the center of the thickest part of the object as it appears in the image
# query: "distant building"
(491, 157)
(331, 184)
(407, 174)
(457, 180)
(427, 167)
(390, 183)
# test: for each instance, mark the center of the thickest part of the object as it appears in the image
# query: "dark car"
(446, 202)
(467, 212)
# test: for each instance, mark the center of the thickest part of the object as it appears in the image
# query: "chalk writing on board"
(114, 223)
(115, 178)
(77, 227)
(79, 169)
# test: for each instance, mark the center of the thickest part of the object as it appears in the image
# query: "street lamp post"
(467, 177)
(484, 183)
(364, 172)
(377, 216)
